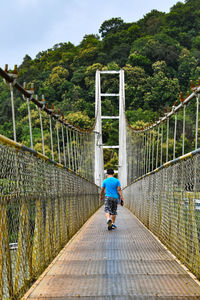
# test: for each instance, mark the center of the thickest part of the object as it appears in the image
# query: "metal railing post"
(51, 137)
(175, 127)
(183, 142)
(197, 122)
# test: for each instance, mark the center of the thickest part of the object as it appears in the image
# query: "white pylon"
(122, 171)
(99, 163)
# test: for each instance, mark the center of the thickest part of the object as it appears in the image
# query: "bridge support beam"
(122, 161)
(122, 171)
(99, 163)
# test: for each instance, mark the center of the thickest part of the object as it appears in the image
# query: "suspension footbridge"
(53, 240)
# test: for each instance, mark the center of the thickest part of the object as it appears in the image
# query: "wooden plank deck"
(125, 263)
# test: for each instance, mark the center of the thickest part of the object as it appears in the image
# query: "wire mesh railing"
(45, 198)
(173, 135)
(52, 134)
(167, 201)
(47, 192)
(164, 182)
(42, 204)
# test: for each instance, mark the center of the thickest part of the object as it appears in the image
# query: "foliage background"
(160, 54)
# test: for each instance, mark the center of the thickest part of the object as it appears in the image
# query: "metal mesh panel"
(41, 206)
(46, 130)
(168, 203)
(172, 136)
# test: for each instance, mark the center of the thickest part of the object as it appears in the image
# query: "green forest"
(160, 54)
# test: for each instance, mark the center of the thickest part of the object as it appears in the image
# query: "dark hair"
(110, 172)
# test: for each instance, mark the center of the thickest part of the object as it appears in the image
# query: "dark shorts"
(111, 205)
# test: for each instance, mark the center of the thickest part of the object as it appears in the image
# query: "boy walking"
(111, 189)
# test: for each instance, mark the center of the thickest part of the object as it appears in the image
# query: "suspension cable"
(29, 118)
(51, 137)
(13, 111)
(58, 141)
(175, 127)
(68, 148)
(167, 147)
(197, 121)
(152, 152)
(183, 143)
(150, 142)
(63, 140)
(157, 148)
(42, 133)
(72, 154)
(161, 145)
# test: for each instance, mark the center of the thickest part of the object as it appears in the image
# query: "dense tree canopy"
(160, 54)
(110, 26)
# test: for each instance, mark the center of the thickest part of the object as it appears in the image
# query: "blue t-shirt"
(111, 184)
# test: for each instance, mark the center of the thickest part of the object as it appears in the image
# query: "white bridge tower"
(99, 163)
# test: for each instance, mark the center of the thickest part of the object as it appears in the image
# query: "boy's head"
(110, 172)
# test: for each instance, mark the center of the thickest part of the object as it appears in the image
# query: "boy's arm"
(102, 193)
(120, 192)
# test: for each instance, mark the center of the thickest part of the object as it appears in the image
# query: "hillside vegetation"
(160, 54)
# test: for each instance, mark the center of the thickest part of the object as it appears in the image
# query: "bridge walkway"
(126, 263)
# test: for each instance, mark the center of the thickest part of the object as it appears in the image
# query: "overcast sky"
(31, 26)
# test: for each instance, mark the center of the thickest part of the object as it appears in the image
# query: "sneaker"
(109, 223)
(114, 226)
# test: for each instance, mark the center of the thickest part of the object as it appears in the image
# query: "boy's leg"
(114, 213)
(109, 221)
(113, 217)
(107, 216)
(107, 211)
